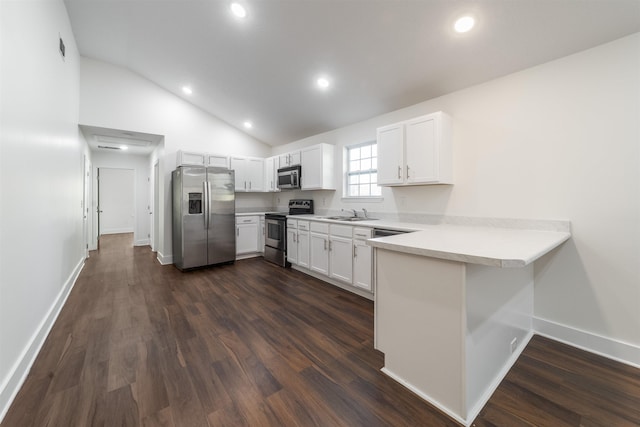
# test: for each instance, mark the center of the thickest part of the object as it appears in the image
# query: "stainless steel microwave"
(289, 178)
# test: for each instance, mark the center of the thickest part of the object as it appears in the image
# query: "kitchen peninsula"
(454, 306)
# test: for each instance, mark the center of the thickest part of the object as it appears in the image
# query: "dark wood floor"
(140, 344)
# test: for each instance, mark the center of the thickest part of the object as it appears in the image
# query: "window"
(362, 170)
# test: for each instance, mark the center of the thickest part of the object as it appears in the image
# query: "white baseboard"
(18, 373)
(116, 231)
(164, 259)
(143, 242)
(608, 347)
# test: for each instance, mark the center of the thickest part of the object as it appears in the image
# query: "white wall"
(142, 174)
(558, 141)
(41, 161)
(113, 97)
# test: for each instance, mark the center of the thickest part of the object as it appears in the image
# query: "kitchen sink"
(348, 218)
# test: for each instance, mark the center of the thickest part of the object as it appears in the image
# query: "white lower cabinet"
(246, 234)
(341, 253)
(362, 259)
(319, 248)
(303, 239)
(292, 241)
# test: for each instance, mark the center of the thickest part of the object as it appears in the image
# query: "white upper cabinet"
(391, 154)
(249, 173)
(416, 151)
(190, 158)
(317, 167)
(289, 159)
(187, 158)
(271, 174)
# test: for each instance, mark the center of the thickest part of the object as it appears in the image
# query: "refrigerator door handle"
(208, 187)
(205, 203)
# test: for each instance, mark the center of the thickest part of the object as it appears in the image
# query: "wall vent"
(108, 148)
(61, 47)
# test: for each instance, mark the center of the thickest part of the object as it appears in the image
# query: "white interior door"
(86, 183)
(116, 200)
(154, 209)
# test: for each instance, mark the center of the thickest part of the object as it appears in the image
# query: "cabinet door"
(362, 265)
(421, 145)
(270, 174)
(246, 238)
(341, 259)
(217, 160)
(312, 168)
(303, 248)
(292, 246)
(294, 158)
(255, 175)
(239, 165)
(283, 160)
(390, 141)
(319, 253)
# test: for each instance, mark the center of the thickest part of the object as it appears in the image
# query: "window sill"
(374, 199)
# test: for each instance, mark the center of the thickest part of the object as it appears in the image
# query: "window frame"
(348, 173)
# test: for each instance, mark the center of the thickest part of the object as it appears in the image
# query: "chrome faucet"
(366, 214)
(355, 213)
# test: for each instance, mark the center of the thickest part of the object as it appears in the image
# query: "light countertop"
(496, 247)
(489, 245)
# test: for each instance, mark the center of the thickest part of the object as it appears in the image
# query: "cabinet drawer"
(247, 219)
(292, 223)
(362, 233)
(342, 230)
(303, 225)
(320, 227)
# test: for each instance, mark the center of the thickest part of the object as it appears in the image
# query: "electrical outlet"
(514, 345)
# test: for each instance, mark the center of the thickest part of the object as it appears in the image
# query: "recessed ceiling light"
(238, 10)
(464, 24)
(187, 90)
(323, 83)
(247, 124)
(124, 147)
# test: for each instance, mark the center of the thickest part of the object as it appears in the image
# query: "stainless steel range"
(275, 239)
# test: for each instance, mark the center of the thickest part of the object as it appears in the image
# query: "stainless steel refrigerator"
(204, 208)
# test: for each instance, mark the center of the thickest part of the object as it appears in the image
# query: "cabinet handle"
(329, 245)
(325, 244)
(361, 235)
(250, 181)
(355, 251)
(245, 185)
(407, 171)
(237, 232)
(399, 171)
(295, 237)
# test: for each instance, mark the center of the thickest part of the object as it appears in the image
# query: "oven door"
(275, 233)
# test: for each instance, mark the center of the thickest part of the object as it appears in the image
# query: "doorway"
(116, 201)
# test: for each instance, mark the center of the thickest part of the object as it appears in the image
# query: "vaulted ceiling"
(378, 55)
